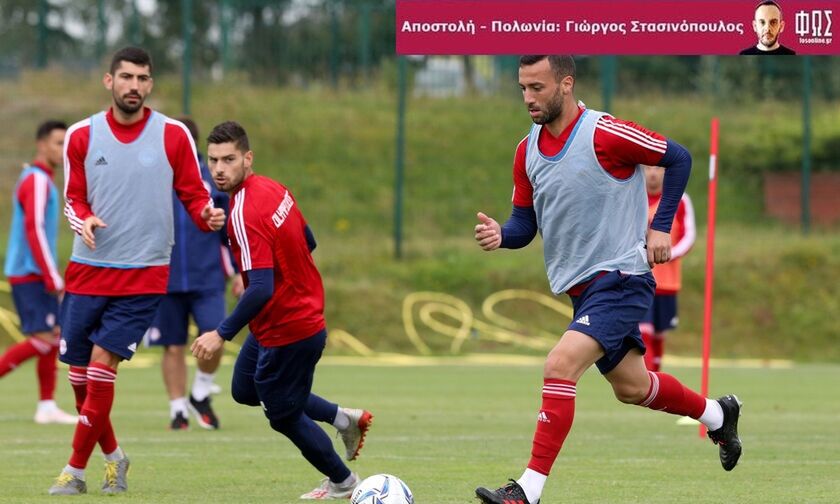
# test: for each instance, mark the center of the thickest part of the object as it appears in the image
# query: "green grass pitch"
(444, 430)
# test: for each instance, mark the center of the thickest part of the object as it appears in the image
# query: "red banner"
(615, 27)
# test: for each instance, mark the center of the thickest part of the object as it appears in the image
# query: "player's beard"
(552, 110)
(232, 182)
(127, 108)
(771, 42)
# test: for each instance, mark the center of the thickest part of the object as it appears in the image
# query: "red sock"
(553, 423)
(656, 349)
(94, 413)
(17, 354)
(669, 395)
(647, 339)
(47, 372)
(78, 379)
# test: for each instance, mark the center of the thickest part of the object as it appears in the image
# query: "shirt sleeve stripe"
(72, 129)
(633, 131)
(40, 210)
(623, 134)
(75, 222)
(239, 230)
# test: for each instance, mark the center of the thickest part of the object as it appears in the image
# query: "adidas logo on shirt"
(583, 320)
(101, 161)
(542, 417)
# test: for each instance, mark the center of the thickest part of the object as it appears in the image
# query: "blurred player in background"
(120, 168)
(662, 315)
(197, 271)
(283, 306)
(577, 181)
(32, 268)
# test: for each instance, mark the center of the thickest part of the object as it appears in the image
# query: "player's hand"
(88, 227)
(206, 345)
(658, 247)
(214, 217)
(488, 234)
(237, 286)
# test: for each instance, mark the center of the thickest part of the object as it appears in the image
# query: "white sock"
(532, 483)
(342, 421)
(712, 416)
(178, 405)
(48, 405)
(115, 455)
(201, 384)
(79, 473)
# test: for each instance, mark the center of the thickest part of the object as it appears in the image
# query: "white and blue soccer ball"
(382, 489)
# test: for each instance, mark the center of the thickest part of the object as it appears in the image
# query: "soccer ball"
(382, 489)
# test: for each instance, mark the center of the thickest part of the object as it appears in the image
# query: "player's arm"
(622, 144)
(521, 227)
(257, 294)
(76, 206)
(32, 195)
(186, 178)
(685, 213)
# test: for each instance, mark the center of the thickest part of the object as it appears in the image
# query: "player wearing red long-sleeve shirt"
(120, 168)
(32, 269)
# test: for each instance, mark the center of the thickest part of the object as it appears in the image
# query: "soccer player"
(32, 270)
(197, 271)
(283, 305)
(120, 168)
(577, 182)
(661, 317)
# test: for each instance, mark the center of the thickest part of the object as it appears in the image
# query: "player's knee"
(629, 393)
(283, 422)
(244, 395)
(560, 366)
(174, 350)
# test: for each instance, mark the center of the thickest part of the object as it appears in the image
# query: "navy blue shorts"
(662, 313)
(115, 323)
(609, 310)
(277, 378)
(37, 308)
(171, 323)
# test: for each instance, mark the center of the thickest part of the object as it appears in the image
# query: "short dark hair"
(769, 2)
(47, 127)
(131, 54)
(230, 131)
(191, 126)
(561, 65)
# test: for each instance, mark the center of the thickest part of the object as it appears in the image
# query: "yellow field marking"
(142, 361)
(431, 307)
(10, 322)
(499, 328)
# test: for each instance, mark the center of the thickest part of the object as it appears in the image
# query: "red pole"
(710, 264)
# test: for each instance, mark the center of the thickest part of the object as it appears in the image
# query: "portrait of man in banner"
(768, 26)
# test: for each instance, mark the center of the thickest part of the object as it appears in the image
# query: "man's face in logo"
(768, 25)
